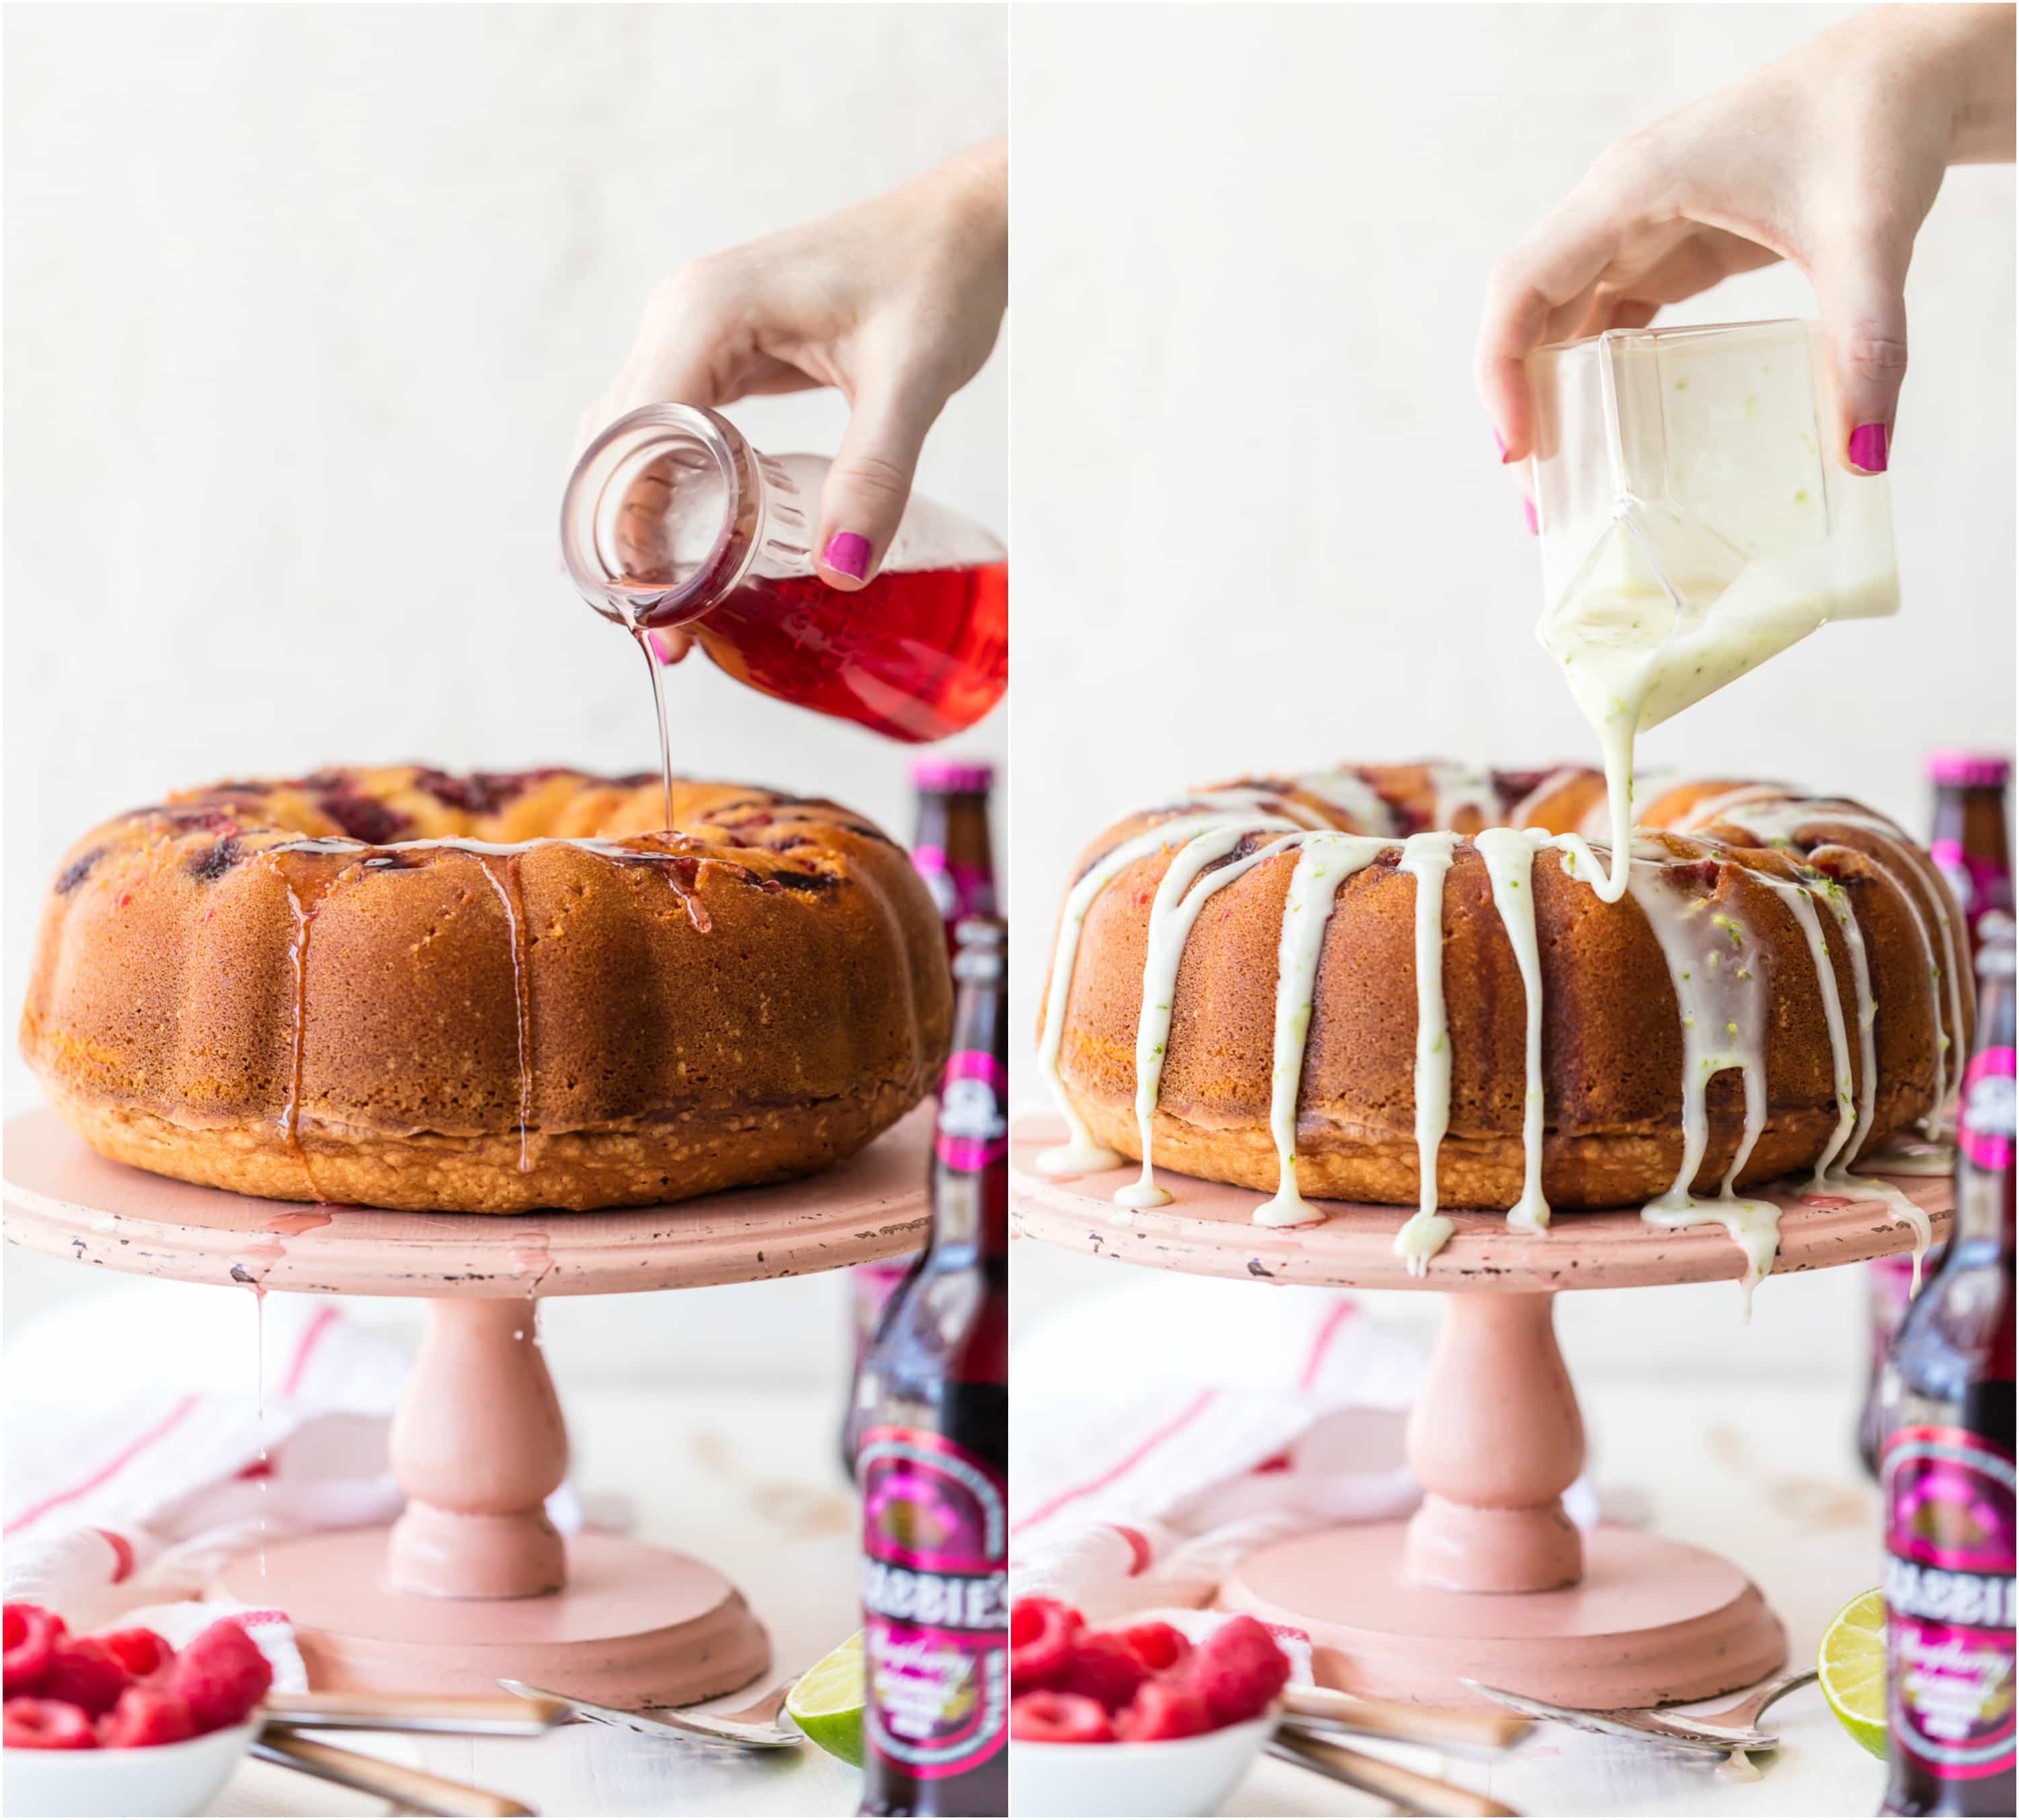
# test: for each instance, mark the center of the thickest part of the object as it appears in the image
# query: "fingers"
(867, 488)
(697, 343)
(1561, 264)
(1861, 286)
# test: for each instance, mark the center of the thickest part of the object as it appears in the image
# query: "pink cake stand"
(1489, 1580)
(473, 1582)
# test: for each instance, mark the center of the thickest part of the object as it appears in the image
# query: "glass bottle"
(1946, 1481)
(671, 519)
(1968, 845)
(952, 851)
(933, 1457)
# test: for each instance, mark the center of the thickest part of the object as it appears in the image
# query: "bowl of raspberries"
(119, 1723)
(1138, 1719)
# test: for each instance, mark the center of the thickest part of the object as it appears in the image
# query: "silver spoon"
(755, 1726)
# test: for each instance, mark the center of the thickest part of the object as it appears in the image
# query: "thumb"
(1861, 291)
(869, 485)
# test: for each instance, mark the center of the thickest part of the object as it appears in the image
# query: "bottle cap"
(953, 777)
(1970, 770)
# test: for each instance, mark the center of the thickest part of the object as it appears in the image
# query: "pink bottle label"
(973, 1131)
(936, 1602)
(1948, 1495)
(1985, 1122)
(1979, 884)
(959, 889)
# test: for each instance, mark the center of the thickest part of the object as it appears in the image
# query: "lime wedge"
(826, 1702)
(1850, 1663)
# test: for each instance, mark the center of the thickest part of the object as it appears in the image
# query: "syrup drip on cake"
(302, 909)
(512, 899)
(1708, 943)
(490, 856)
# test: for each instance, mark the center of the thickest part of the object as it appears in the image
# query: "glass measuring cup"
(1692, 520)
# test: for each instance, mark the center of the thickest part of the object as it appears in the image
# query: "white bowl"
(1171, 1776)
(164, 1779)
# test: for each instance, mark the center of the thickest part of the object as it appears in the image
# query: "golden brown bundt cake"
(1236, 992)
(399, 988)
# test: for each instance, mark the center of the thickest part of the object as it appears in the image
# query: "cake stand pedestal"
(1489, 1580)
(473, 1582)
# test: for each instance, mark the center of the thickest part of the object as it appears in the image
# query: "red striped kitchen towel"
(153, 1431)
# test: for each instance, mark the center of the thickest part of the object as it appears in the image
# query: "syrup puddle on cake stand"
(1489, 1579)
(473, 1582)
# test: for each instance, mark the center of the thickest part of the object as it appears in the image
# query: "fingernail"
(1868, 448)
(659, 648)
(848, 553)
(1528, 512)
(1500, 443)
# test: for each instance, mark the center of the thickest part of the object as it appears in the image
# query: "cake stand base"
(1651, 1622)
(636, 1627)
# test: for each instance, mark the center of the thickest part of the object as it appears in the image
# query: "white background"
(1261, 524)
(302, 304)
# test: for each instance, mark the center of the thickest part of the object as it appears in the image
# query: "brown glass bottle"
(933, 1452)
(953, 854)
(1946, 1479)
(1968, 843)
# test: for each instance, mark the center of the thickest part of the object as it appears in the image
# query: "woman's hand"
(1829, 158)
(895, 302)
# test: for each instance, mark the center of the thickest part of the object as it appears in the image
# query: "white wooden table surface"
(749, 1481)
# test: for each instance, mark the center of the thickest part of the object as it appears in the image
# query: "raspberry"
(30, 1724)
(1041, 1633)
(1163, 1707)
(84, 1672)
(1238, 1670)
(222, 1674)
(32, 1636)
(1102, 1668)
(151, 1715)
(141, 1653)
(1157, 1646)
(1046, 1718)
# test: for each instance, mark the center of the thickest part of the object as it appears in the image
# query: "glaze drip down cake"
(1412, 985)
(400, 988)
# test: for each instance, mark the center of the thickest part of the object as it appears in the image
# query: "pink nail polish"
(1528, 512)
(659, 650)
(1868, 448)
(848, 553)
(1500, 443)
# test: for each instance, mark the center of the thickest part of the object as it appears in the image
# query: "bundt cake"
(1413, 984)
(398, 988)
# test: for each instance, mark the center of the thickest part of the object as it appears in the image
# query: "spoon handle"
(1374, 1775)
(413, 1791)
